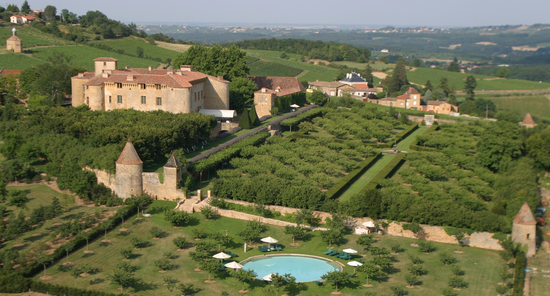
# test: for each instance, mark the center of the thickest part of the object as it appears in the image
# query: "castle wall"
(101, 66)
(167, 190)
(103, 177)
(94, 97)
(197, 95)
(216, 94)
(128, 180)
(525, 235)
(77, 91)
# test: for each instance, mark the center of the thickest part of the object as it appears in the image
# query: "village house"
(329, 88)
(439, 107)
(352, 79)
(175, 91)
(271, 87)
(21, 19)
(412, 100)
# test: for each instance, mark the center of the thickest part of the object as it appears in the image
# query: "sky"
(397, 13)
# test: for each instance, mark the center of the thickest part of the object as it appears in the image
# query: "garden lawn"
(40, 195)
(366, 177)
(481, 277)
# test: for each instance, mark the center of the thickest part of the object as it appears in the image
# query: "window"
(143, 100)
(104, 63)
(159, 101)
(119, 99)
(86, 87)
(158, 86)
(109, 99)
(528, 236)
(88, 100)
(142, 86)
(119, 85)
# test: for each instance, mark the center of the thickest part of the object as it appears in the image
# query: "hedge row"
(304, 116)
(228, 153)
(414, 144)
(63, 290)
(405, 133)
(344, 183)
(388, 170)
(519, 278)
(79, 241)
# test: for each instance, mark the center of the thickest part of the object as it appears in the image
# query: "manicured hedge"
(228, 153)
(388, 170)
(519, 278)
(304, 116)
(405, 133)
(344, 183)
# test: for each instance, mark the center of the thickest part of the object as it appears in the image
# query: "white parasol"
(294, 106)
(269, 240)
(233, 265)
(349, 251)
(354, 264)
(268, 277)
(222, 255)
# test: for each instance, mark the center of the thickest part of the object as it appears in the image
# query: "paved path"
(219, 148)
(379, 165)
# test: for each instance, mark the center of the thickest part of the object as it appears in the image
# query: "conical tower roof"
(525, 216)
(172, 162)
(528, 120)
(129, 155)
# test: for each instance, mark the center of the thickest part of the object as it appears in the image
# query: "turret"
(524, 229)
(172, 172)
(129, 169)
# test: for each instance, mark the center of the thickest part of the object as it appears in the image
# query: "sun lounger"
(319, 283)
(279, 248)
(351, 275)
(232, 255)
(262, 249)
(328, 252)
(334, 253)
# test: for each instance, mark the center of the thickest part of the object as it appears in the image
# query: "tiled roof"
(413, 91)
(326, 83)
(528, 119)
(29, 17)
(172, 162)
(368, 89)
(282, 85)
(361, 85)
(14, 38)
(6, 72)
(129, 155)
(389, 99)
(170, 78)
(525, 216)
(436, 103)
(404, 96)
(105, 60)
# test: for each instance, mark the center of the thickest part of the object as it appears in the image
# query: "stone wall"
(103, 177)
(157, 190)
(420, 118)
(482, 240)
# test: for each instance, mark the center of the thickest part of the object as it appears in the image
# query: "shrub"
(177, 218)
(426, 247)
(208, 212)
(519, 278)
(136, 242)
(447, 258)
(127, 253)
(155, 231)
(180, 242)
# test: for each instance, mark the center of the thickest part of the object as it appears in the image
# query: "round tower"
(129, 169)
(524, 229)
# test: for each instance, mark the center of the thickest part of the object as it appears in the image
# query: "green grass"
(456, 80)
(130, 45)
(83, 56)
(311, 72)
(17, 61)
(538, 106)
(40, 195)
(32, 37)
(266, 68)
(481, 277)
(375, 67)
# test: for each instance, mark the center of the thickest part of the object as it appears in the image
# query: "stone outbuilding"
(524, 230)
(528, 121)
(14, 43)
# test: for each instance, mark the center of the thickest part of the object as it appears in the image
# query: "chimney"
(264, 89)
(220, 77)
(126, 67)
(130, 77)
(186, 68)
(80, 74)
(105, 75)
(150, 68)
(170, 72)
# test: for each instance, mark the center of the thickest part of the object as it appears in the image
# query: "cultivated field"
(16, 61)
(130, 45)
(538, 105)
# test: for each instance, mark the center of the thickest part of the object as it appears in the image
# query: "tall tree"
(241, 93)
(25, 8)
(368, 76)
(469, 86)
(428, 86)
(444, 86)
(399, 77)
(50, 12)
(216, 61)
(453, 67)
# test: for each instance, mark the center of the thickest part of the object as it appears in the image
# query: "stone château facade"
(176, 91)
(524, 230)
(271, 87)
(14, 43)
(130, 179)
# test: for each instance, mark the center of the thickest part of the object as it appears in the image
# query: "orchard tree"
(370, 270)
(75, 273)
(336, 277)
(365, 240)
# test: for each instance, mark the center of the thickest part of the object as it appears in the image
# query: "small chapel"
(14, 43)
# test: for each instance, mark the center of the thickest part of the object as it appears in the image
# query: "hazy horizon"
(322, 13)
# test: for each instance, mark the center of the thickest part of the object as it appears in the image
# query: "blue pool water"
(304, 269)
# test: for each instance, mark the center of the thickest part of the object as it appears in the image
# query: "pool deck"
(289, 254)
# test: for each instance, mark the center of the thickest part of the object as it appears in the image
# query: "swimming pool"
(303, 268)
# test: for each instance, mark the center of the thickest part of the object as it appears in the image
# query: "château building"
(176, 91)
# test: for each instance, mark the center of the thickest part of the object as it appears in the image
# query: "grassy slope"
(421, 75)
(538, 106)
(84, 56)
(131, 44)
(40, 195)
(32, 37)
(17, 61)
(481, 277)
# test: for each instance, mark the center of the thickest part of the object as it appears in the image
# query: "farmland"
(537, 105)
(33, 37)
(130, 46)
(15, 61)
